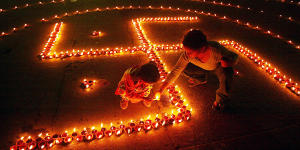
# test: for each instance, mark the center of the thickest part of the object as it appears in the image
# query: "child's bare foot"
(147, 103)
(196, 82)
(123, 104)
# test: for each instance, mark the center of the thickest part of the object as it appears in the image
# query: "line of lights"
(88, 134)
(51, 41)
(223, 4)
(157, 19)
(287, 2)
(272, 71)
(237, 21)
(14, 29)
(29, 5)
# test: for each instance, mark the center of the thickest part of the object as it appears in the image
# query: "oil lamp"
(128, 130)
(99, 135)
(57, 139)
(14, 147)
(50, 143)
(89, 136)
(42, 144)
(108, 133)
(119, 131)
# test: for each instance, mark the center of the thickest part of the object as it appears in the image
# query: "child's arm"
(121, 88)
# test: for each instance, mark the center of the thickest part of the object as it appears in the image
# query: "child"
(136, 84)
(201, 56)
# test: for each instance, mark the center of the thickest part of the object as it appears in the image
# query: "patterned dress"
(129, 89)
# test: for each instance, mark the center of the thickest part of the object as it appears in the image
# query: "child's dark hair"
(148, 72)
(194, 39)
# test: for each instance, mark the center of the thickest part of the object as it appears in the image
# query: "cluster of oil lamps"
(266, 66)
(87, 84)
(96, 34)
(51, 41)
(220, 3)
(29, 5)
(237, 21)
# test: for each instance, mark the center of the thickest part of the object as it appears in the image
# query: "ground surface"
(45, 95)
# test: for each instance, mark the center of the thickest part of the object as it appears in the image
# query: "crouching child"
(136, 84)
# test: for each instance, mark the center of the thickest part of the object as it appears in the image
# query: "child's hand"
(226, 62)
(155, 91)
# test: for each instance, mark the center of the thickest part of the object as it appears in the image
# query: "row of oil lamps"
(52, 40)
(139, 32)
(29, 5)
(155, 19)
(237, 21)
(269, 69)
(89, 134)
(220, 3)
(204, 1)
(92, 52)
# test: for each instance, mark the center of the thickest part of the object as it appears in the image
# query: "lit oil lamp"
(50, 143)
(20, 141)
(179, 118)
(68, 139)
(112, 128)
(89, 136)
(47, 137)
(22, 147)
(74, 134)
(99, 135)
(79, 138)
(42, 144)
(57, 139)
(84, 132)
(164, 121)
(128, 130)
(31, 144)
(14, 147)
(119, 131)
(108, 133)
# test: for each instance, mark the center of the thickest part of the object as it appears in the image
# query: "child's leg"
(225, 76)
(124, 103)
(195, 74)
(135, 100)
(147, 103)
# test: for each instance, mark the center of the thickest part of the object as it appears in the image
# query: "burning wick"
(157, 96)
